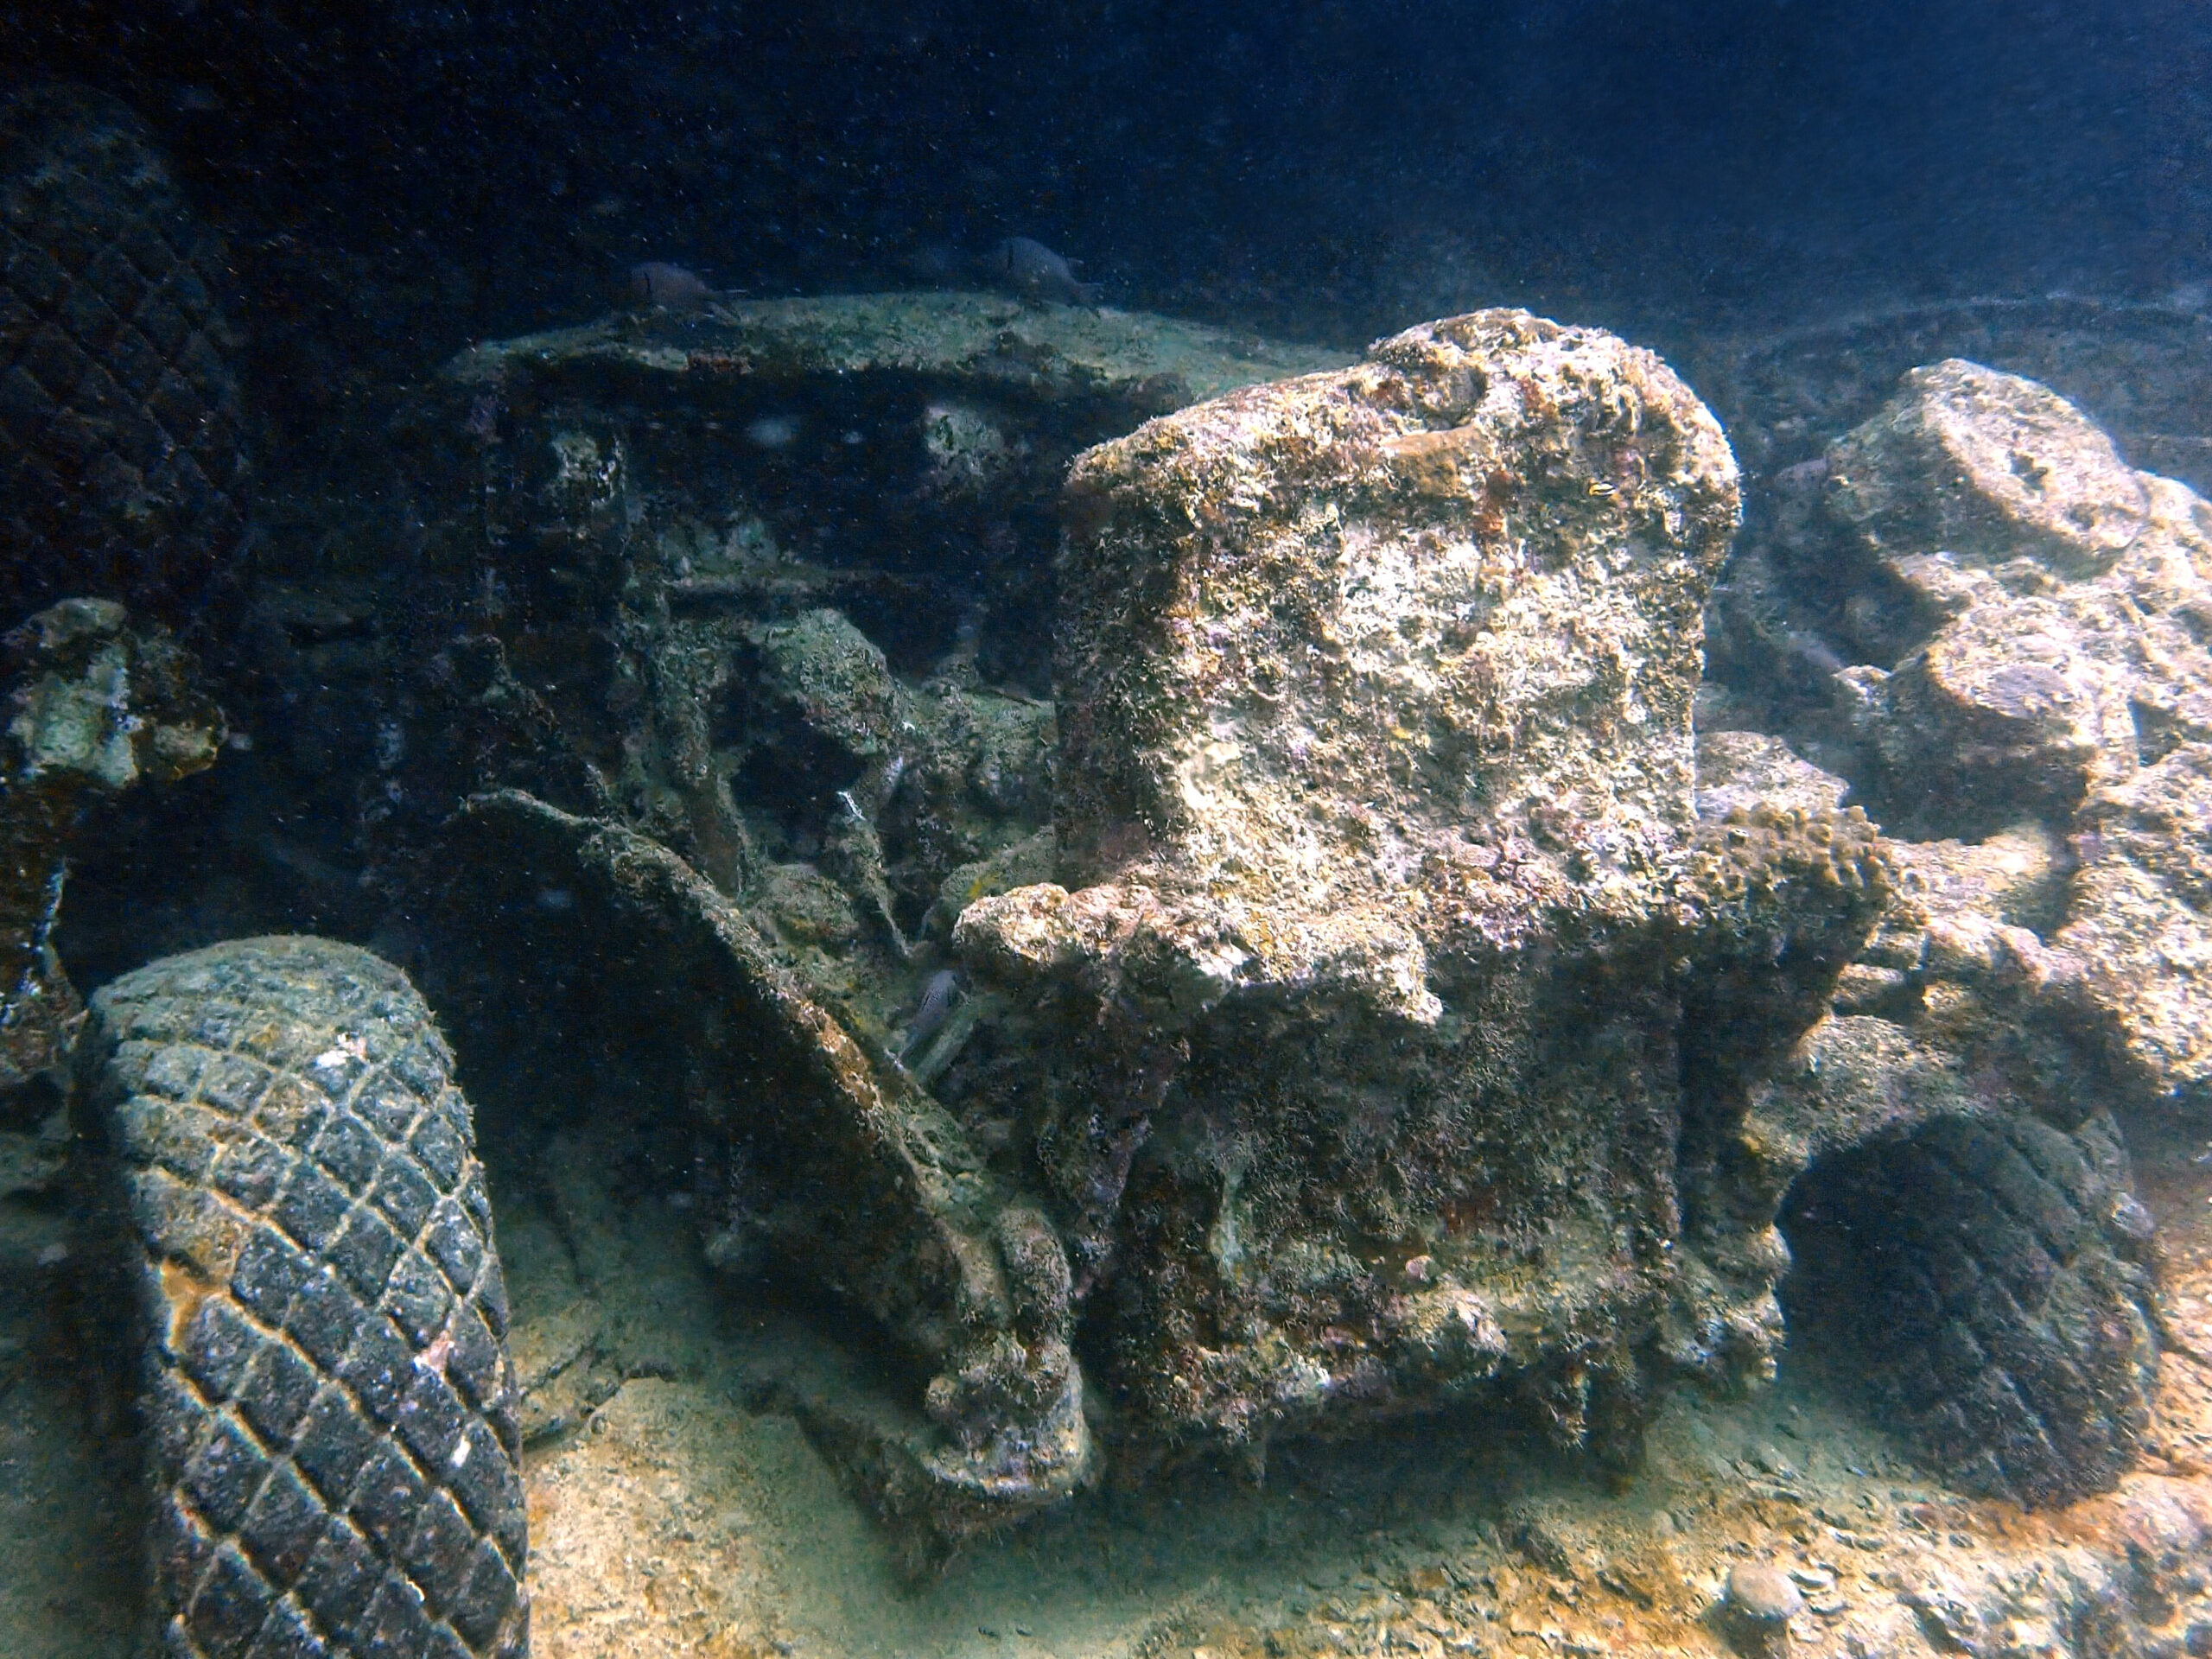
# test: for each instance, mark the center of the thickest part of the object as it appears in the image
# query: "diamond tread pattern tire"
(1978, 1273)
(122, 455)
(328, 1406)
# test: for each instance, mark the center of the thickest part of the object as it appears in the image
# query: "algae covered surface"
(1051, 352)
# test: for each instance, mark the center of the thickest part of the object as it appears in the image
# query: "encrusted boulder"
(93, 705)
(1361, 1007)
(2139, 924)
(2058, 597)
(1990, 468)
(2061, 680)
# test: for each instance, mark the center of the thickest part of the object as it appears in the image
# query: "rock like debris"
(1763, 1593)
(1988, 468)
(1045, 352)
(92, 706)
(1365, 1076)
(1756, 1606)
(2063, 678)
(808, 1151)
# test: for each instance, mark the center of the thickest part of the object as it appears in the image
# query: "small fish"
(673, 287)
(938, 998)
(1815, 652)
(1035, 271)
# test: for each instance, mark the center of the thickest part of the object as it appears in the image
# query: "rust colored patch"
(717, 363)
(1123, 842)
(1490, 504)
(183, 1287)
(1537, 404)
(1463, 1212)
(1429, 462)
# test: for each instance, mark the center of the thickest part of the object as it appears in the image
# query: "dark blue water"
(490, 165)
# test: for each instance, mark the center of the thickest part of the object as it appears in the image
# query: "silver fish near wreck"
(1035, 271)
(673, 287)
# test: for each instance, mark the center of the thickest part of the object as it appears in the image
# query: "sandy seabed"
(685, 1513)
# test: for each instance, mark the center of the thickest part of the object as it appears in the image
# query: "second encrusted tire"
(122, 453)
(328, 1404)
(1980, 1277)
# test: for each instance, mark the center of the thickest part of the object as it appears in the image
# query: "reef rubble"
(1297, 939)
(1365, 974)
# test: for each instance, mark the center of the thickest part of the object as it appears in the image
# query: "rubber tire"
(1979, 1277)
(299, 1219)
(122, 455)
